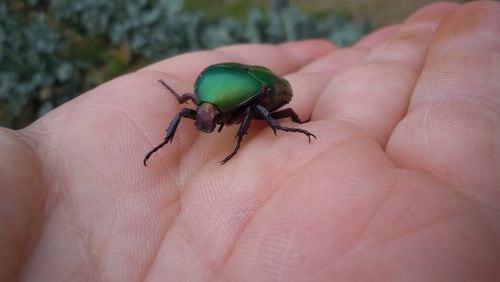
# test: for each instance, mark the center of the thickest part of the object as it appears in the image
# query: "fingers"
(374, 94)
(377, 37)
(452, 126)
(282, 59)
(306, 51)
(21, 202)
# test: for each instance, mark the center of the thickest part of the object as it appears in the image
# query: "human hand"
(401, 184)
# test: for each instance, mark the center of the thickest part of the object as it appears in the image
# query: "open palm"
(401, 184)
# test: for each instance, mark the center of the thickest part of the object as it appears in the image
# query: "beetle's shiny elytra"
(231, 93)
(231, 85)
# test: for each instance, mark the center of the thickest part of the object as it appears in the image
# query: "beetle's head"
(205, 117)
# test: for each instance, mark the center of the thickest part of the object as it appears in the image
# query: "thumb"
(22, 196)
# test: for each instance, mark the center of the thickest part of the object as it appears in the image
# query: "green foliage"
(29, 60)
(52, 50)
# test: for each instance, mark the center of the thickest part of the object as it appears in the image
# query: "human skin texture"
(402, 183)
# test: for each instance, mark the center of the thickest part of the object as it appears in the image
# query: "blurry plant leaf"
(52, 50)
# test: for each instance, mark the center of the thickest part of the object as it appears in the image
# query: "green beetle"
(232, 93)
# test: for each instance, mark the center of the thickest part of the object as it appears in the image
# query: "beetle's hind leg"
(265, 114)
(289, 112)
(172, 127)
(182, 99)
(245, 124)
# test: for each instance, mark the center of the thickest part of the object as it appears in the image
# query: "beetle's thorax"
(205, 117)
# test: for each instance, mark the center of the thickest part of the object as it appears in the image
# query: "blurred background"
(53, 50)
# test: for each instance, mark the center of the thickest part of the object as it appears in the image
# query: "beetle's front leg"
(182, 99)
(245, 124)
(221, 126)
(265, 114)
(172, 127)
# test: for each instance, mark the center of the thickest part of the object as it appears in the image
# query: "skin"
(402, 183)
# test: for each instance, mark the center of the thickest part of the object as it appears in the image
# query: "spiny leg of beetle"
(172, 127)
(265, 114)
(245, 124)
(221, 125)
(289, 112)
(182, 99)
